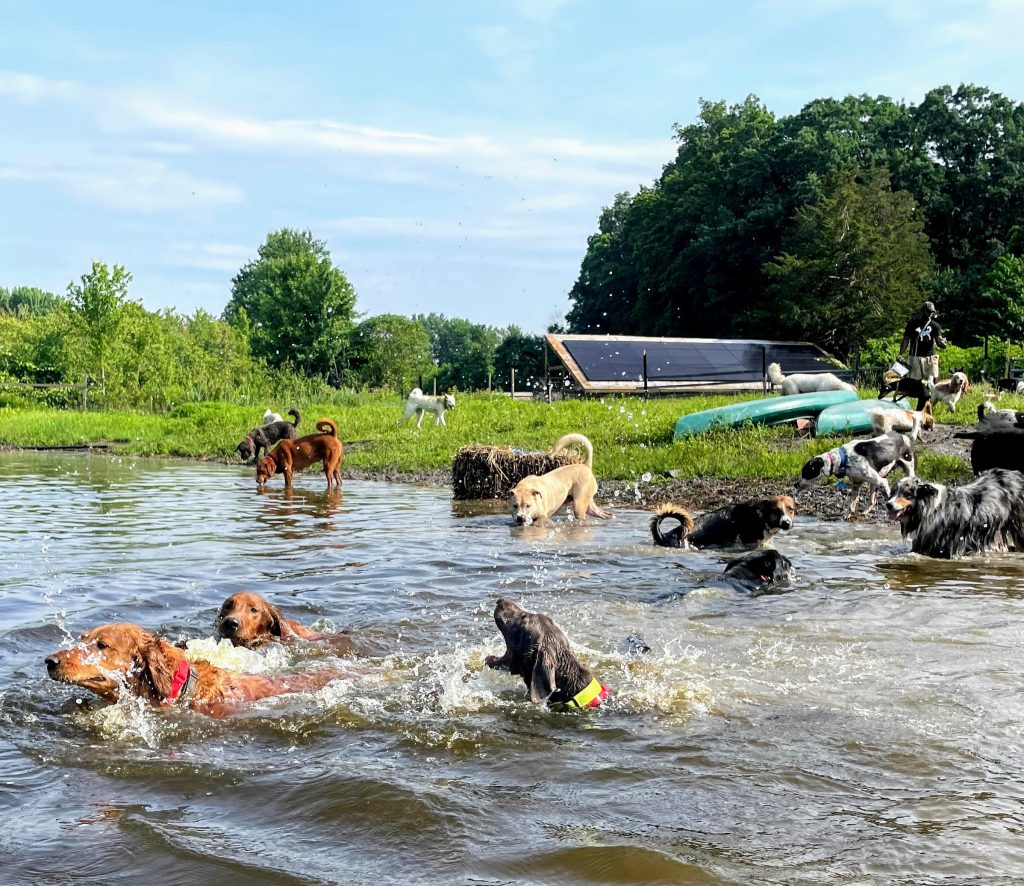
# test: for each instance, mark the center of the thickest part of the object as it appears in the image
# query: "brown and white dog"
(247, 619)
(117, 658)
(419, 404)
(295, 455)
(908, 421)
(537, 498)
(948, 391)
(749, 523)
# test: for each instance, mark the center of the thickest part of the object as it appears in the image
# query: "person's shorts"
(924, 368)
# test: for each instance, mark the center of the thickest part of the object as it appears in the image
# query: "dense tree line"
(825, 225)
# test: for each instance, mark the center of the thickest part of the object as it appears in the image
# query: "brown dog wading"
(296, 455)
(247, 619)
(536, 498)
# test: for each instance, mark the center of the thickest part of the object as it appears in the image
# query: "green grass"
(630, 437)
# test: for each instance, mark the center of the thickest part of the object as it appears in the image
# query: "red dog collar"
(182, 685)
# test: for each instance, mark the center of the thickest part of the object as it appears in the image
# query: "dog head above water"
(760, 572)
(537, 650)
(246, 619)
(908, 496)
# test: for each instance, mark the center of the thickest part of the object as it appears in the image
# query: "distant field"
(630, 437)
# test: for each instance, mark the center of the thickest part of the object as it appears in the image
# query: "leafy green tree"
(297, 307)
(98, 300)
(391, 351)
(856, 262)
(523, 353)
(462, 350)
(1000, 307)
(29, 300)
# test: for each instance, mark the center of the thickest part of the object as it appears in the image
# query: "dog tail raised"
(294, 413)
(326, 426)
(775, 375)
(576, 440)
(674, 537)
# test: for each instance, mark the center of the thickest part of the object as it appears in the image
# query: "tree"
(391, 351)
(98, 300)
(462, 350)
(297, 306)
(856, 262)
(523, 353)
(1000, 307)
(29, 301)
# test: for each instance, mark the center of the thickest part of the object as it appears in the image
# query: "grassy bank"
(630, 437)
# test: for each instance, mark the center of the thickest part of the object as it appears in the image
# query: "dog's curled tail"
(294, 413)
(576, 440)
(326, 426)
(775, 375)
(674, 537)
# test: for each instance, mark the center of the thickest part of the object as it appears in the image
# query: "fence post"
(435, 385)
(764, 370)
(647, 395)
(85, 391)
(513, 383)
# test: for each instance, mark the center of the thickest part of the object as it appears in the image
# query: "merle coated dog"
(749, 523)
(947, 522)
(537, 650)
(265, 436)
(862, 461)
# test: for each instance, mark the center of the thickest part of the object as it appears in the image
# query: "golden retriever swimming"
(536, 498)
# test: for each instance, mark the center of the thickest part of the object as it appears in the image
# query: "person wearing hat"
(921, 337)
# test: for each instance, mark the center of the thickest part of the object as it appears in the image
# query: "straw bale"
(493, 471)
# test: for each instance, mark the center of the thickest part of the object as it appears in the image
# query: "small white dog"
(269, 417)
(421, 404)
(906, 421)
(806, 382)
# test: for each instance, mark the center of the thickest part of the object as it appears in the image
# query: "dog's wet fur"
(261, 439)
(537, 650)
(755, 574)
(537, 498)
(748, 523)
(948, 522)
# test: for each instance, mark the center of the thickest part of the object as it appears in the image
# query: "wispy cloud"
(227, 257)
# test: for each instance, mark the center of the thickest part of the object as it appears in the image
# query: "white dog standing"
(420, 404)
(807, 382)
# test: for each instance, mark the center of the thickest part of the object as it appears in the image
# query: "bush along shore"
(634, 456)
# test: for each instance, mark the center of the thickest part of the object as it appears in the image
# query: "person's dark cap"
(928, 307)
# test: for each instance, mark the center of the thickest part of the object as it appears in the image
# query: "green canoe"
(769, 411)
(850, 418)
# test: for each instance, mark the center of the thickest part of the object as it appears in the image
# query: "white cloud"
(227, 257)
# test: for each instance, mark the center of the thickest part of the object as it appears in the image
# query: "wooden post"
(513, 383)
(85, 391)
(1006, 368)
(435, 385)
(647, 395)
(488, 383)
(764, 370)
(987, 367)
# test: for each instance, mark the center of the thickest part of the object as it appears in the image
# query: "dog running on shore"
(419, 404)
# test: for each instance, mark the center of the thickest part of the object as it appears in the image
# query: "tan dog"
(536, 498)
(908, 421)
(295, 455)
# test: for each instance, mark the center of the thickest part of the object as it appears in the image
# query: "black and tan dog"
(748, 523)
(265, 436)
(537, 650)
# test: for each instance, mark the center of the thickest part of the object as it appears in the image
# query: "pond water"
(865, 728)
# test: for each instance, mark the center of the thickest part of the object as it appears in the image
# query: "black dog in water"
(265, 436)
(758, 573)
(538, 651)
(748, 523)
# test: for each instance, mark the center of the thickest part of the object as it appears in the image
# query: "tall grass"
(631, 437)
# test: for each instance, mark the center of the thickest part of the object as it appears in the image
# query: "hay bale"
(492, 471)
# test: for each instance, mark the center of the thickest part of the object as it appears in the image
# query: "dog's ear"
(926, 491)
(157, 669)
(927, 408)
(537, 493)
(542, 680)
(279, 626)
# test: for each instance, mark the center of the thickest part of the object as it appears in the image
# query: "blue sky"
(454, 155)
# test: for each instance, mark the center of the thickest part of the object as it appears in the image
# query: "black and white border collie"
(862, 461)
(947, 522)
(748, 523)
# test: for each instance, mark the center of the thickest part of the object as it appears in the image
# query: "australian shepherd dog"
(947, 522)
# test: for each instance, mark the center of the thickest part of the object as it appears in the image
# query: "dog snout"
(228, 625)
(785, 523)
(52, 663)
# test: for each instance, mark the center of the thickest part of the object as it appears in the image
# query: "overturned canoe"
(850, 418)
(767, 411)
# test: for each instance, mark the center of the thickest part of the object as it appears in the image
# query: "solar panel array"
(696, 360)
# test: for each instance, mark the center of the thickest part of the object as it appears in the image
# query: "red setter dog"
(115, 658)
(296, 455)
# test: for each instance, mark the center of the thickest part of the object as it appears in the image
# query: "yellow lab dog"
(535, 498)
